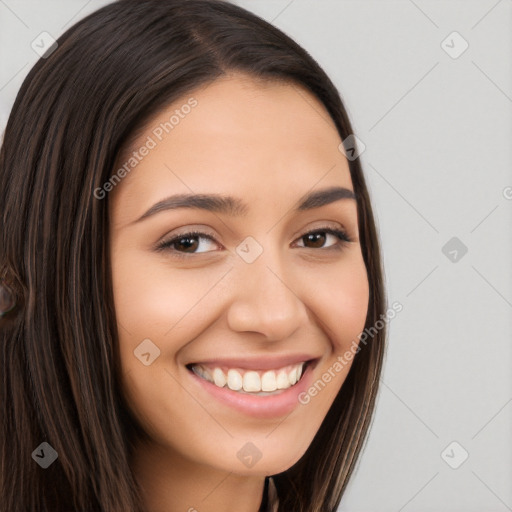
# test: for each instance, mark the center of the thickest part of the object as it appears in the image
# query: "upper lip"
(257, 363)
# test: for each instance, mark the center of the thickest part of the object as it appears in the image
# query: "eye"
(318, 237)
(188, 243)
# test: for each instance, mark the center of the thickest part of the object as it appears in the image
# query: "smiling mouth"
(252, 382)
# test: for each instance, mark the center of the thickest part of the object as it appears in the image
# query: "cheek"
(151, 303)
(340, 300)
(154, 300)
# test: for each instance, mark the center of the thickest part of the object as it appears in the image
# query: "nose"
(265, 301)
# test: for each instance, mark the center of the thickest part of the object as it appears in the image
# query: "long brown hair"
(73, 115)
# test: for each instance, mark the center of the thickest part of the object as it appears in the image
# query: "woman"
(188, 260)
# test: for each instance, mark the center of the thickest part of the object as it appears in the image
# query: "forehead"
(242, 136)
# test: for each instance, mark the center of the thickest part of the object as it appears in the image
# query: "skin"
(269, 144)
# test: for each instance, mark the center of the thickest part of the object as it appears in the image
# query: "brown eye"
(186, 243)
(317, 238)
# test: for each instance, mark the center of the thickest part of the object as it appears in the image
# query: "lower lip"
(269, 406)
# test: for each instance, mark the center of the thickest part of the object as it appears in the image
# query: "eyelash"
(167, 244)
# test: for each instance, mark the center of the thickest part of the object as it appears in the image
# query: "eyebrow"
(236, 207)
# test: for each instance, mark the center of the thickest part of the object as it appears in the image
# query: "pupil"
(316, 238)
(189, 243)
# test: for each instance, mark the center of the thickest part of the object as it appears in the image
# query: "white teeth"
(234, 380)
(283, 381)
(251, 381)
(219, 378)
(268, 381)
(203, 373)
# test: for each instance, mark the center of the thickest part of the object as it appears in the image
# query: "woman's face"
(253, 295)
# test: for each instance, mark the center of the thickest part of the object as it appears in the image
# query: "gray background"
(438, 133)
